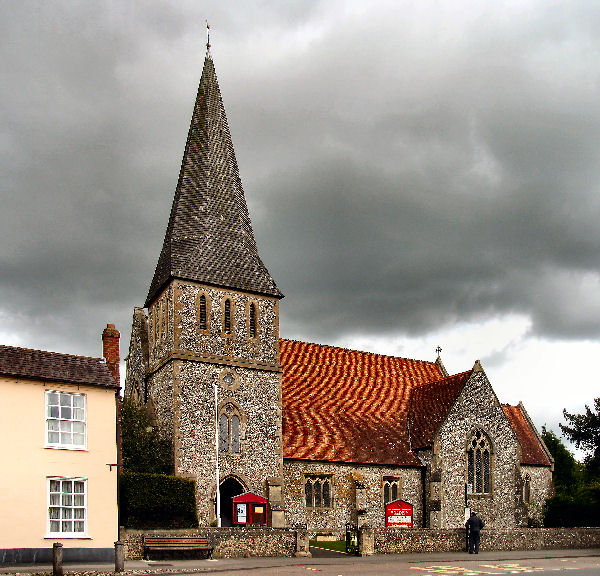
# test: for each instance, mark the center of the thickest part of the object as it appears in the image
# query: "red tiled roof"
(349, 406)
(429, 405)
(533, 454)
(54, 367)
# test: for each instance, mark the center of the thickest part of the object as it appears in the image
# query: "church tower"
(205, 355)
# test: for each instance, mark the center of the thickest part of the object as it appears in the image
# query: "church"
(325, 436)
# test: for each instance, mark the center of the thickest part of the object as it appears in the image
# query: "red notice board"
(250, 508)
(399, 514)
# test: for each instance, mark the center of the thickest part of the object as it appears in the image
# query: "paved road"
(540, 563)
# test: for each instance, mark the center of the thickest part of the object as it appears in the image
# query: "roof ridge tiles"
(362, 352)
(444, 379)
(45, 365)
(66, 354)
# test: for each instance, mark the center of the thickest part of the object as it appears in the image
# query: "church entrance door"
(229, 489)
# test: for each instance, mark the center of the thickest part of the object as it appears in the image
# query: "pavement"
(156, 567)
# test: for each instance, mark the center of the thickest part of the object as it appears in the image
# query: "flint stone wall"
(541, 489)
(262, 350)
(477, 408)
(395, 541)
(343, 493)
(228, 542)
(137, 357)
(260, 457)
(257, 542)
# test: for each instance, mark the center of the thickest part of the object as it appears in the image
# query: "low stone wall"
(239, 542)
(397, 541)
(244, 542)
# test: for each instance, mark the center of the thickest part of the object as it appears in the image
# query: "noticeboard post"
(399, 514)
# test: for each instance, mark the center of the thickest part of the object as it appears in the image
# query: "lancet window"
(227, 316)
(252, 320)
(527, 489)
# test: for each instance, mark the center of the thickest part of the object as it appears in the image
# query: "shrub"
(157, 501)
(572, 510)
(144, 448)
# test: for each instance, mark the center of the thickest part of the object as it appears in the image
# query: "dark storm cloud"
(404, 169)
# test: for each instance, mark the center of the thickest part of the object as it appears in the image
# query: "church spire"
(209, 237)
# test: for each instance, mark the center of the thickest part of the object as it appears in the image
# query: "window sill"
(67, 537)
(58, 447)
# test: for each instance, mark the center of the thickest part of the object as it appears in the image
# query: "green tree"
(144, 449)
(584, 431)
(567, 475)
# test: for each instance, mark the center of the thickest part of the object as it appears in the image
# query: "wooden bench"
(176, 543)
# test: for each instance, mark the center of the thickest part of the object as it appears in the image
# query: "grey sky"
(414, 172)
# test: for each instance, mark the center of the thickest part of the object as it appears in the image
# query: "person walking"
(474, 525)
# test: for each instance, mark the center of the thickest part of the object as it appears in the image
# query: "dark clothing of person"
(474, 525)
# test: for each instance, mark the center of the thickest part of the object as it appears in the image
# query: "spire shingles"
(209, 237)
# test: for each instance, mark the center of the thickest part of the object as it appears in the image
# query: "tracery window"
(317, 491)
(527, 489)
(479, 463)
(391, 489)
(229, 430)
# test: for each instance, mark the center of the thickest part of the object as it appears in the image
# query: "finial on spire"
(207, 36)
(438, 350)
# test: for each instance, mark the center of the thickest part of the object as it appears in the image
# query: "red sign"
(398, 514)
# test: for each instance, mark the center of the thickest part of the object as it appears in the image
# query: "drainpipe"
(424, 494)
(217, 456)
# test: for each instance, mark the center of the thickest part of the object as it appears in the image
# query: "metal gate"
(352, 539)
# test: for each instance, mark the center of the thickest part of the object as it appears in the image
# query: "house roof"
(533, 453)
(349, 406)
(54, 367)
(429, 405)
(209, 237)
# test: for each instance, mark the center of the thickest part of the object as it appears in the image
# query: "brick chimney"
(110, 350)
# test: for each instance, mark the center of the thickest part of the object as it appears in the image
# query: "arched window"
(229, 430)
(202, 322)
(317, 491)
(252, 320)
(527, 489)
(479, 463)
(391, 489)
(227, 316)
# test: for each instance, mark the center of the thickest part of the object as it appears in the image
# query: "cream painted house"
(60, 436)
